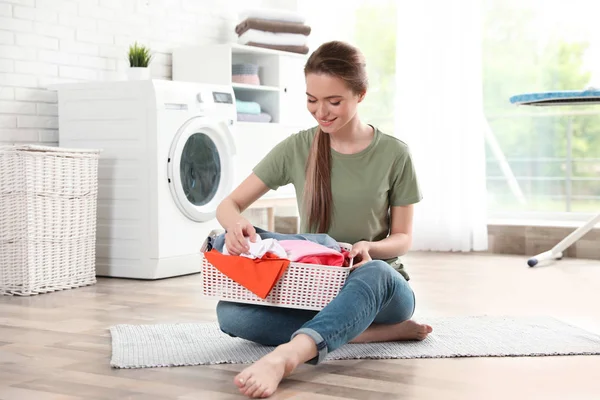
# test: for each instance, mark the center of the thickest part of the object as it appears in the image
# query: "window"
(547, 159)
(539, 159)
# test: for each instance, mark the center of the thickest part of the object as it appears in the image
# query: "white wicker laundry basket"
(302, 286)
(48, 202)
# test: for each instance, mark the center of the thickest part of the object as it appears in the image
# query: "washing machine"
(167, 161)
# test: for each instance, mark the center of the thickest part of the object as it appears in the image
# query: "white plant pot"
(138, 73)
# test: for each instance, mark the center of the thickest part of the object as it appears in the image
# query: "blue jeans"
(373, 293)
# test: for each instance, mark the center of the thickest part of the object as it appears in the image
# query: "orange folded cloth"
(258, 275)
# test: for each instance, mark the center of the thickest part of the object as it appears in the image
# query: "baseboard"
(530, 240)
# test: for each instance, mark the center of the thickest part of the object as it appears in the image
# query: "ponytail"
(318, 197)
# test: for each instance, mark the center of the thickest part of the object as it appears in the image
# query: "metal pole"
(569, 164)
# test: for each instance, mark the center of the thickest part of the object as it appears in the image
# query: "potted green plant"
(139, 59)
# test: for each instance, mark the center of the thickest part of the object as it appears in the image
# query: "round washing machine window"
(200, 167)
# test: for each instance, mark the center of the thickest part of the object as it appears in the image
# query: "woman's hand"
(235, 238)
(360, 252)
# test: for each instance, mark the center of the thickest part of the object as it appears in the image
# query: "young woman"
(354, 183)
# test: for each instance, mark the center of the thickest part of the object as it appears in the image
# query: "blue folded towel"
(262, 117)
(247, 107)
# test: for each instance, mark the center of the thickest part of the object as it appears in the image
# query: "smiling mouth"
(325, 121)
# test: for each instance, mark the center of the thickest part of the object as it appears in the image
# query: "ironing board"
(559, 98)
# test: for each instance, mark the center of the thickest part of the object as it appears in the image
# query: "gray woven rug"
(163, 345)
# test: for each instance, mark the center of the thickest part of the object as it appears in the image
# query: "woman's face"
(330, 101)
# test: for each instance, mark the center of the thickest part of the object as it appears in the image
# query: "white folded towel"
(283, 39)
(272, 14)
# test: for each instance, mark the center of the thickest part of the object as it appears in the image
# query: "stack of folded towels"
(245, 73)
(273, 29)
(250, 111)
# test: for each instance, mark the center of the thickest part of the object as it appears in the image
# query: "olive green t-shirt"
(365, 185)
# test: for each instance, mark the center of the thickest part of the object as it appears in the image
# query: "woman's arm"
(230, 209)
(229, 213)
(400, 239)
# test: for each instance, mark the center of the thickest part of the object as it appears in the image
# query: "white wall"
(53, 41)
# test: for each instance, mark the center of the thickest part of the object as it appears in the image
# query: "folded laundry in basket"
(307, 252)
(258, 275)
(321, 238)
(260, 247)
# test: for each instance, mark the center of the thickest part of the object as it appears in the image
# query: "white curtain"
(440, 117)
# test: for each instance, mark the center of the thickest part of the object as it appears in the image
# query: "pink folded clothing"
(305, 251)
(332, 260)
(246, 79)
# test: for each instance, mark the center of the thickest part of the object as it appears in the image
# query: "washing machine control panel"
(206, 100)
(222, 97)
(217, 101)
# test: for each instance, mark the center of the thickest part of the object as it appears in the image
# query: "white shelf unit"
(281, 92)
(253, 88)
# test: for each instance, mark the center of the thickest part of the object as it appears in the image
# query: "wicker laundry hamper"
(48, 202)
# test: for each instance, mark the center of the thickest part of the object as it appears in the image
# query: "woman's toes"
(241, 379)
(249, 388)
(424, 330)
(258, 392)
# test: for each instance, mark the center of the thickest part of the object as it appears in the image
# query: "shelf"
(280, 94)
(257, 88)
(250, 123)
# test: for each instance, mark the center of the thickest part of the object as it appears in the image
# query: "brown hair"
(346, 62)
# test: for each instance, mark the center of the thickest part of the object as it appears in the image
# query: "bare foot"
(260, 380)
(407, 330)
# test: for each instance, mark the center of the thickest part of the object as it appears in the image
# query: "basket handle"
(351, 265)
(213, 234)
(348, 247)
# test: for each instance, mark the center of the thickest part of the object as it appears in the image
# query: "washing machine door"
(200, 167)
